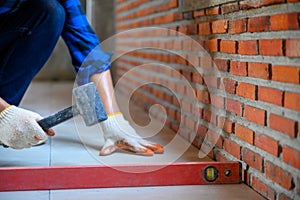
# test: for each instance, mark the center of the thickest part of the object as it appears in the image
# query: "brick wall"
(245, 105)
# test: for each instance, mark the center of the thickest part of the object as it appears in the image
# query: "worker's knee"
(47, 13)
(53, 12)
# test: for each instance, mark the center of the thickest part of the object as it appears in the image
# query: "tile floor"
(76, 144)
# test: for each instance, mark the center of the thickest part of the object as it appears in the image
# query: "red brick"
(206, 62)
(244, 134)
(220, 26)
(171, 113)
(198, 13)
(197, 111)
(204, 28)
(207, 115)
(246, 4)
(222, 65)
(228, 126)
(287, 74)
(173, 3)
(258, 3)
(197, 78)
(258, 70)
(217, 101)
(293, 1)
(212, 45)
(167, 18)
(238, 68)
(203, 96)
(184, 132)
(270, 95)
(192, 29)
(232, 148)
(187, 45)
(180, 60)
(189, 123)
(188, 15)
(293, 47)
(212, 11)
(284, 125)
(201, 130)
(284, 22)
(234, 106)
(258, 24)
(263, 189)
(225, 124)
(292, 100)
(271, 2)
(238, 26)
(230, 7)
(267, 144)
(291, 156)
(193, 60)
(279, 175)
(211, 81)
(220, 157)
(255, 115)
(178, 16)
(270, 47)
(246, 90)
(252, 159)
(283, 197)
(248, 47)
(197, 141)
(214, 138)
(228, 46)
(229, 85)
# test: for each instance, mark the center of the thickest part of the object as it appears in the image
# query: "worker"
(29, 31)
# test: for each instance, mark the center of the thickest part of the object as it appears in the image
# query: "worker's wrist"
(3, 105)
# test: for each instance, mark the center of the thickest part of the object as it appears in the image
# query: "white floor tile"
(202, 192)
(25, 195)
(35, 156)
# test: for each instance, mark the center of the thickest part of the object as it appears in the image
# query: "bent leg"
(27, 38)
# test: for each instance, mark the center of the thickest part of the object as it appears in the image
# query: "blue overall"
(29, 30)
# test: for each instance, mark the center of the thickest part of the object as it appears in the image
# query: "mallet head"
(89, 104)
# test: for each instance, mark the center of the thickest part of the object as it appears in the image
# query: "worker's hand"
(119, 134)
(19, 128)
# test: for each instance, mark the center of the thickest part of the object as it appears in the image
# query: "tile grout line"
(50, 161)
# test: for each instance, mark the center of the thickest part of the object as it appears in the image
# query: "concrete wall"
(101, 15)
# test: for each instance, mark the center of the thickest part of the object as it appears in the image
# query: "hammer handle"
(57, 118)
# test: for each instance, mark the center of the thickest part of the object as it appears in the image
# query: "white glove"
(19, 128)
(118, 133)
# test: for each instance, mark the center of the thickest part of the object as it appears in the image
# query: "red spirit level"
(75, 177)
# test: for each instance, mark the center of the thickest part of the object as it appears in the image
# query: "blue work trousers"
(27, 39)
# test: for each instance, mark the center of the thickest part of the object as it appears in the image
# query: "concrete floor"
(76, 144)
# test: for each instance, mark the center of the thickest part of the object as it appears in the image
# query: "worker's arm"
(118, 133)
(92, 64)
(81, 40)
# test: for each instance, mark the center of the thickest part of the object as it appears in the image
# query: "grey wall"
(59, 67)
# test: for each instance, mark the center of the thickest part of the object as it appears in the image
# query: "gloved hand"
(19, 128)
(119, 134)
